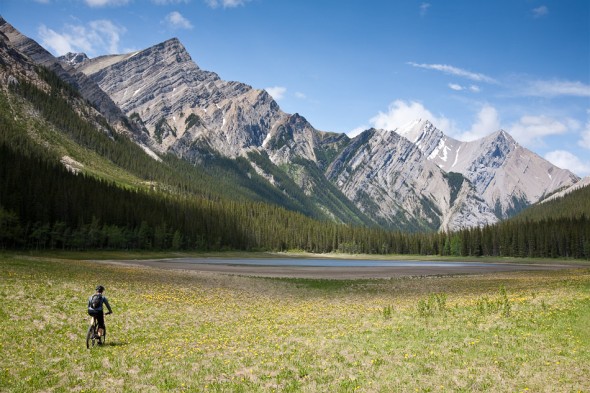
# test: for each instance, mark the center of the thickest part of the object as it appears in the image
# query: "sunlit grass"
(190, 331)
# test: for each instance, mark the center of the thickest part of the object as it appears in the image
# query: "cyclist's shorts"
(99, 315)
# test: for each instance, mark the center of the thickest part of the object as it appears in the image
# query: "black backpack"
(96, 301)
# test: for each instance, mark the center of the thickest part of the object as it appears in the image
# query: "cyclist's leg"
(100, 319)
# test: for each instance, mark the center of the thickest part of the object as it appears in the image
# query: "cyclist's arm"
(106, 302)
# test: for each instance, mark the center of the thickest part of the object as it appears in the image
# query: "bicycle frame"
(92, 337)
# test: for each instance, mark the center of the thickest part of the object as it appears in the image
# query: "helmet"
(99, 288)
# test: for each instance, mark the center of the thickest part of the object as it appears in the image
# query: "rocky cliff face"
(415, 177)
(506, 175)
(389, 177)
(182, 105)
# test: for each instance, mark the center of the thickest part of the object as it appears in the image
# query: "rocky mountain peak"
(504, 137)
(74, 59)
(173, 48)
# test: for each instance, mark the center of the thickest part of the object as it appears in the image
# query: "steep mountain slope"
(180, 104)
(506, 175)
(390, 178)
(582, 183)
(193, 113)
(88, 89)
(571, 205)
(196, 115)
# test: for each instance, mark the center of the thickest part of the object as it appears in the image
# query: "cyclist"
(95, 303)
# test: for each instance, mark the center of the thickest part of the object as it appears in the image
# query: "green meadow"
(205, 332)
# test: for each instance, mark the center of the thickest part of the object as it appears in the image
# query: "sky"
(471, 67)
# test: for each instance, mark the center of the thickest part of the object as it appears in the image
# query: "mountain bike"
(92, 337)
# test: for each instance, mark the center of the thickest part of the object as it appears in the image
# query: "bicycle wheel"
(103, 338)
(90, 336)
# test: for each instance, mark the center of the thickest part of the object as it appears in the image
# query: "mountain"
(506, 175)
(88, 89)
(208, 173)
(390, 177)
(444, 183)
(195, 115)
(413, 178)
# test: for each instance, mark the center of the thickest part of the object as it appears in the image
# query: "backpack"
(96, 301)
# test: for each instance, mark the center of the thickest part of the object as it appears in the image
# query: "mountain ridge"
(414, 178)
(234, 119)
(503, 172)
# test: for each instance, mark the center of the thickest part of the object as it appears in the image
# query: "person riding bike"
(95, 309)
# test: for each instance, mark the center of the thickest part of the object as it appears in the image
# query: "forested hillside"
(62, 130)
(573, 205)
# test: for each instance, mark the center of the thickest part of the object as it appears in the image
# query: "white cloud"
(356, 131)
(487, 122)
(451, 70)
(400, 113)
(100, 36)
(166, 2)
(567, 160)
(585, 134)
(226, 3)
(540, 11)
(458, 87)
(277, 92)
(105, 33)
(104, 3)
(176, 21)
(556, 88)
(424, 8)
(300, 95)
(56, 42)
(530, 130)
(585, 141)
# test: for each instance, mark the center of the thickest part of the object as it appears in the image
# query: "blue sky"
(470, 66)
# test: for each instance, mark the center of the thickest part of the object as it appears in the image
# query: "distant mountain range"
(412, 178)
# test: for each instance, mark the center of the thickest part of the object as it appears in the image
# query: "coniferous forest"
(43, 205)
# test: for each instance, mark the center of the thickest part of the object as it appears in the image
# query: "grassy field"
(190, 331)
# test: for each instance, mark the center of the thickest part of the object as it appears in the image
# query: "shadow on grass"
(115, 344)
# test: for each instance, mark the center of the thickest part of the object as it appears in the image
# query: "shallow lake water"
(330, 262)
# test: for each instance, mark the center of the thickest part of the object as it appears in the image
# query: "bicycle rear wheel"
(90, 336)
(103, 338)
